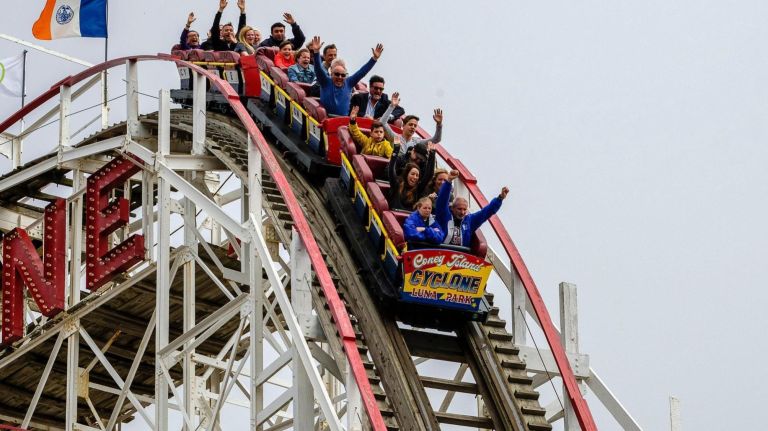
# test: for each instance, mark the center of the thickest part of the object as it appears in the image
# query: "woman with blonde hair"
(248, 40)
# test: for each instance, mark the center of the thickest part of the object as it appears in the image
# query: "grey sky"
(631, 134)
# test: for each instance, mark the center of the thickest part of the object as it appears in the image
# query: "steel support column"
(569, 330)
(301, 299)
(163, 283)
(252, 265)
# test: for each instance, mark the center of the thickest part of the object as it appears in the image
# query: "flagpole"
(105, 95)
(17, 143)
(23, 81)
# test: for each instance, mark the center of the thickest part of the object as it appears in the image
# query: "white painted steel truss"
(273, 371)
(273, 363)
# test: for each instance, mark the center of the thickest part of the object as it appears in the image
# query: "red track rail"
(341, 318)
(578, 402)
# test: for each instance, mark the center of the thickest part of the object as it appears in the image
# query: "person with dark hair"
(407, 186)
(375, 145)
(440, 176)
(411, 124)
(454, 220)
(421, 154)
(329, 54)
(285, 58)
(277, 33)
(375, 102)
(421, 225)
(302, 71)
(224, 38)
(335, 92)
(190, 39)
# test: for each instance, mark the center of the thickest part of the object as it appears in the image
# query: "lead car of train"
(435, 287)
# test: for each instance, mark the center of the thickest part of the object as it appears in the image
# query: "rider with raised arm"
(190, 39)
(410, 124)
(277, 33)
(224, 38)
(454, 220)
(375, 145)
(335, 92)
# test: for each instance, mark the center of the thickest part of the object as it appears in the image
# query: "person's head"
(438, 179)
(302, 57)
(459, 207)
(193, 38)
(410, 175)
(338, 72)
(424, 207)
(228, 32)
(278, 31)
(249, 36)
(286, 49)
(410, 124)
(376, 87)
(377, 131)
(329, 54)
(419, 153)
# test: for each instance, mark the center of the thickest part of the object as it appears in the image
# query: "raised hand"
(222, 5)
(395, 99)
(315, 44)
(438, 116)
(453, 174)
(377, 51)
(432, 196)
(241, 5)
(288, 18)
(191, 18)
(503, 194)
(353, 113)
(430, 146)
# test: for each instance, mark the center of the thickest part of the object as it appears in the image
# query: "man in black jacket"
(224, 38)
(277, 35)
(375, 102)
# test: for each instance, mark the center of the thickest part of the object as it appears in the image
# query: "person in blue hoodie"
(453, 219)
(421, 226)
(336, 90)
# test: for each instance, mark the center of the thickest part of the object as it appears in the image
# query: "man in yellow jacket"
(375, 145)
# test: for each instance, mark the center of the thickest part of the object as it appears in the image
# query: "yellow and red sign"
(444, 278)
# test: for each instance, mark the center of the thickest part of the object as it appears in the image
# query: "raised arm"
(389, 134)
(426, 176)
(438, 117)
(355, 132)
(320, 73)
(298, 35)
(391, 170)
(184, 33)
(241, 21)
(215, 30)
(360, 74)
(442, 210)
(489, 210)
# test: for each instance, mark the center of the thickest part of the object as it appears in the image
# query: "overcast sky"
(632, 136)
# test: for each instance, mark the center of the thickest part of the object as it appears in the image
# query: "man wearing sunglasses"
(375, 102)
(336, 90)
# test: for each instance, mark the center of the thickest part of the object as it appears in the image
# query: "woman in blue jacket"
(421, 226)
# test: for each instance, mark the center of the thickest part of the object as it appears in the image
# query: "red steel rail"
(578, 402)
(341, 318)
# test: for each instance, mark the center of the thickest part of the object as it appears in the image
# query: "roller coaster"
(258, 290)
